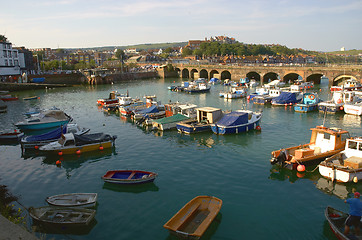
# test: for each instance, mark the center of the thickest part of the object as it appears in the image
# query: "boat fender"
(301, 168)
(101, 148)
(78, 152)
(60, 153)
(355, 179)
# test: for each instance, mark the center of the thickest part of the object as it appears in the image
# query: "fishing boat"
(336, 220)
(301, 86)
(193, 219)
(345, 166)
(129, 176)
(35, 141)
(236, 122)
(339, 99)
(197, 87)
(324, 142)
(113, 98)
(205, 117)
(353, 108)
(73, 200)
(287, 98)
(62, 215)
(45, 120)
(167, 123)
(309, 103)
(349, 84)
(70, 143)
(10, 137)
(236, 92)
(263, 99)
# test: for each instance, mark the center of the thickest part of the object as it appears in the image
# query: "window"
(360, 146)
(16, 62)
(15, 54)
(9, 54)
(352, 145)
(4, 53)
(6, 62)
(10, 62)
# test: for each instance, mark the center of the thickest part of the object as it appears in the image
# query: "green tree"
(168, 50)
(120, 54)
(186, 52)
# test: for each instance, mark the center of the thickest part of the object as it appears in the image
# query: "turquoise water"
(259, 201)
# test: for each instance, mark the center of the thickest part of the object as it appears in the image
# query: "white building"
(10, 60)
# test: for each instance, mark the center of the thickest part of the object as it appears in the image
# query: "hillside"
(349, 52)
(144, 46)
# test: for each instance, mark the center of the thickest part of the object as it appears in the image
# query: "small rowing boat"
(73, 200)
(129, 176)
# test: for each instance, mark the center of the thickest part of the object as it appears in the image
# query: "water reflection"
(282, 174)
(340, 190)
(62, 229)
(131, 188)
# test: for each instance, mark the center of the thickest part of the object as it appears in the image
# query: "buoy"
(341, 108)
(258, 128)
(355, 180)
(78, 151)
(15, 130)
(58, 162)
(249, 97)
(301, 168)
(101, 148)
(36, 147)
(60, 153)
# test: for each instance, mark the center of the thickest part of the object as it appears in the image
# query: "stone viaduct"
(263, 74)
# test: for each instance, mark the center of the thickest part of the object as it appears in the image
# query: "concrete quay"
(11, 231)
(11, 87)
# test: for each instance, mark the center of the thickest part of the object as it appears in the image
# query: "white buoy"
(355, 179)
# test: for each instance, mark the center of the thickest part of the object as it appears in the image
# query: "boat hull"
(330, 108)
(304, 108)
(39, 126)
(80, 149)
(193, 127)
(336, 220)
(84, 200)
(129, 177)
(192, 220)
(340, 175)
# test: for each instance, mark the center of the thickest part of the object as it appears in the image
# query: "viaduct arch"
(264, 74)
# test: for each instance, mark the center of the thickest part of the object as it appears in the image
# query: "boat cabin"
(344, 97)
(208, 114)
(188, 110)
(151, 100)
(325, 139)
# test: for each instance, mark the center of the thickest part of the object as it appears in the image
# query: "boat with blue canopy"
(287, 98)
(237, 122)
(309, 103)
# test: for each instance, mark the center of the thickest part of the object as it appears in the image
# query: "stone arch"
(270, 76)
(204, 74)
(185, 73)
(192, 73)
(253, 75)
(214, 74)
(316, 78)
(290, 77)
(225, 75)
(339, 79)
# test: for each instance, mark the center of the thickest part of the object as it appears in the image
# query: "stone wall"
(73, 78)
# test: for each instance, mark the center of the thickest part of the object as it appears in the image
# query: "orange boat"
(194, 218)
(324, 142)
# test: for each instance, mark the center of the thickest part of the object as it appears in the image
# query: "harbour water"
(259, 201)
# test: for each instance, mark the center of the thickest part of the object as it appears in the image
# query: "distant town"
(222, 50)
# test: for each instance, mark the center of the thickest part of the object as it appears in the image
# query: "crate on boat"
(304, 152)
(353, 162)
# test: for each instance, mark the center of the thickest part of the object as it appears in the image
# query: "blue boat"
(237, 122)
(45, 120)
(309, 103)
(287, 98)
(30, 142)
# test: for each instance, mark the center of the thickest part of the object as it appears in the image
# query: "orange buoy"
(58, 162)
(301, 168)
(258, 128)
(78, 151)
(36, 147)
(60, 153)
(341, 108)
(101, 148)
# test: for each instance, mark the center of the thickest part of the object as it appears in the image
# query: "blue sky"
(323, 25)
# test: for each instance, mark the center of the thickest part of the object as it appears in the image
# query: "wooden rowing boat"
(192, 220)
(336, 220)
(73, 200)
(62, 215)
(129, 176)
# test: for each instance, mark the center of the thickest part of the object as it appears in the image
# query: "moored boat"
(353, 108)
(10, 137)
(46, 119)
(73, 200)
(129, 176)
(324, 142)
(336, 220)
(349, 84)
(30, 98)
(62, 215)
(236, 122)
(113, 98)
(345, 166)
(205, 117)
(168, 122)
(193, 219)
(309, 103)
(287, 98)
(70, 143)
(339, 99)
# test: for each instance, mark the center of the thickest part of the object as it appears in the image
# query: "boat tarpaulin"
(286, 97)
(91, 138)
(233, 119)
(152, 109)
(54, 134)
(174, 118)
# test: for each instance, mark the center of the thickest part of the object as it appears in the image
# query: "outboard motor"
(283, 156)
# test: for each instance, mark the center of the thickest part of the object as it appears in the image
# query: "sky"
(319, 25)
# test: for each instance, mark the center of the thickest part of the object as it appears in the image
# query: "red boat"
(113, 98)
(8, 97)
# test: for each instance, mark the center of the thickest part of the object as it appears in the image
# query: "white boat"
(349, 84)
(236, 92)
(301, 86)
(339, 99)
(353, 108)
(345, 166)
(73, 200)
